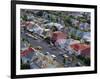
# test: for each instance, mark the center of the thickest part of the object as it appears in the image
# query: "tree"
(25, 65)
(24, 17)
(67, 20)
(73, 36)
(87, 61)
(78, 37)
(54, 28)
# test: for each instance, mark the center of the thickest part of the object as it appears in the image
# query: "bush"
(73, 35)
(86, 60)
(24, 17)
(67, 20)
(78, 38)
(25, 66)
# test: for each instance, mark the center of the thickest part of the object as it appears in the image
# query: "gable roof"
(27, 51)
(83, 48)
(58, 35)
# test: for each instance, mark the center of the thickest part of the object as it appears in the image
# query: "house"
(87, 26)
(27, 55)
(30, 26)
(59, 38)
(38, 29)
(72, 41)
(24, 44)
(69, 42)
(76, 14)
(75, 22)
(58, 35)
(52, 24)
(87, 37)
(30, 17)
(79, 33)
(34, 27)
(81, 49)
(84, 26)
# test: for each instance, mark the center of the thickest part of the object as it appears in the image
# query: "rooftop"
(79, 46)
(27, 51)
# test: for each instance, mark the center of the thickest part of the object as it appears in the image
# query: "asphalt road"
(46, 47)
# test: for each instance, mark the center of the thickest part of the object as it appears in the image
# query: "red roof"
(86, 52)
(83, 48)
(27, 51)
(58, 35)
